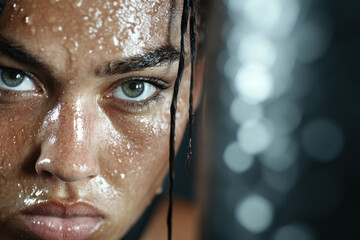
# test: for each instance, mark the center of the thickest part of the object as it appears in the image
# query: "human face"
(85, 92)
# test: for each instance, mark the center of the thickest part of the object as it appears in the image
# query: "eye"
(134, 90)
(15, 80)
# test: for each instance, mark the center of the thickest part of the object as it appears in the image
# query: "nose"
(68, 150)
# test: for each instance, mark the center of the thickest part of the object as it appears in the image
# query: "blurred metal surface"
(280, 131)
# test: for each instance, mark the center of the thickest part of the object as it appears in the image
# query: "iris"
(12, 78)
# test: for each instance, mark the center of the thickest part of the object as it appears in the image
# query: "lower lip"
(70, 228)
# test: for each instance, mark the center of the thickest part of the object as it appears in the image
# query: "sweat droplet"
(77, 3)
(28, 20)
(53, 1)
(15, 7)
(116, 41)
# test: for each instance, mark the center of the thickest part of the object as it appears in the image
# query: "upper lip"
(64, 210)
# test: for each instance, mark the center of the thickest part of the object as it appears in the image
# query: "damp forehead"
(122, 27)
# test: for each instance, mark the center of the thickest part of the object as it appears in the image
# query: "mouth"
(56, 220)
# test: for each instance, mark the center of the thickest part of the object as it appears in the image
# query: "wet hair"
(188, 9)
(2, 5)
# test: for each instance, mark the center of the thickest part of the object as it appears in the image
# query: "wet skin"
(68, 132)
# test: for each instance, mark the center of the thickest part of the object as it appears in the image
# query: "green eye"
(15, 80)
(12, 78)
(133, 89)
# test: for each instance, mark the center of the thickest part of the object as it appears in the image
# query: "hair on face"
(188, 9)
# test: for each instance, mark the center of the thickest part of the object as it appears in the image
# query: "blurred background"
(279, 136)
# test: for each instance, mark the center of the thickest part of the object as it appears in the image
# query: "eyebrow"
(19, 54)
(151, 58)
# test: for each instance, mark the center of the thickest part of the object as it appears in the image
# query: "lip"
(57, 220)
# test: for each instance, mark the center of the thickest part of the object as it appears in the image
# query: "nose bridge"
(67, 150)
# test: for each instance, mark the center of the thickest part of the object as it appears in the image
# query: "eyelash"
(127, 105)
(133, 106)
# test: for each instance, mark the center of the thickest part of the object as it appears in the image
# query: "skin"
(71, 139)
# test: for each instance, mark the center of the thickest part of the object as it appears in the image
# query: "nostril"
(42, 167)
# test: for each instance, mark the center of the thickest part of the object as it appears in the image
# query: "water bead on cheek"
(2, 4)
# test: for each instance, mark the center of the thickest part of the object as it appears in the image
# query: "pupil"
(134, 86)
(12, 78)
(133, 89)
(14, 75)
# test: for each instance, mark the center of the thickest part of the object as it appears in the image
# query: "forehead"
(89, 26)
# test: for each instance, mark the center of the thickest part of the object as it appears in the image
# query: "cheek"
(137, 151)
(18, 129)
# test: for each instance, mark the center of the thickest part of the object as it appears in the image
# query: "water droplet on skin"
(53, 1)
(16, 7)
(159, 191)
(116, 41)
(77, 3)
(57, 28)
(122, 175)
(33, 30)
(28, 20)
(72, 82)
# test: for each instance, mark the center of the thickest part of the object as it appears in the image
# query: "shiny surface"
(71, 140)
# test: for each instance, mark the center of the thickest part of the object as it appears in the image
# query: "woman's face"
(85, 92)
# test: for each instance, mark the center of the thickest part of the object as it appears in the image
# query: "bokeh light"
(237, 160)
(294, 232)
(254, 83)
(254, 137)
(242, 111)
(322, 139)
(255, 213)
